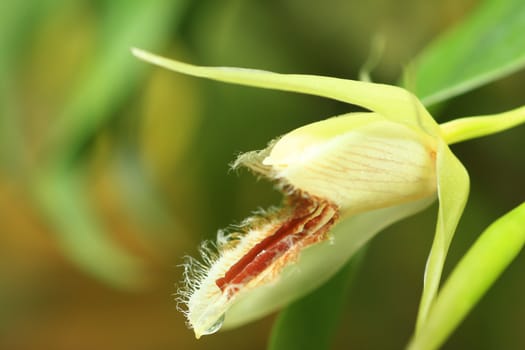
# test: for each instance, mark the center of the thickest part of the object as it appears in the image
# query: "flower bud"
(358, 161)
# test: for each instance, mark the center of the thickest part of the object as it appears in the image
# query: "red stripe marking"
(300, 228)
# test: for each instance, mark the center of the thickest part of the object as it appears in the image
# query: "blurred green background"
(112, 170)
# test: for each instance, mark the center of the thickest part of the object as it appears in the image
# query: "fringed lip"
(256, 258)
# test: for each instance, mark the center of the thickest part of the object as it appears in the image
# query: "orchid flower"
(344, 179)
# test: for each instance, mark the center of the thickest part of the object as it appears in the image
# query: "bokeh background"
(112, 170)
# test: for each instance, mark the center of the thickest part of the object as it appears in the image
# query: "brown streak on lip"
(300, 228)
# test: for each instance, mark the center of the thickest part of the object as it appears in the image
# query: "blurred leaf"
(486, 46)
(64, 200)
(311, 322)
(113, 73)
(17, 21)
(168, 123)
(377, 49)
(493, 251)
(107, 81)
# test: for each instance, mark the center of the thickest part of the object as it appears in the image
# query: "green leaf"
(112, 74)
(486, 46)
(493, 251)
(392, 102)
(60, 189)
(17, 21)
(61, 197)
(310, 323)
(453, 189)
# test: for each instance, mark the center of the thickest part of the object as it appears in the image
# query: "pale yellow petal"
(392, 102)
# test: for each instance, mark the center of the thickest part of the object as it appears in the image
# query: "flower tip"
(135, 51)
(199, 333)
(208, 328)
(139, 53)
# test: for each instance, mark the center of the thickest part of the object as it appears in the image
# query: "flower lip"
(256, 259)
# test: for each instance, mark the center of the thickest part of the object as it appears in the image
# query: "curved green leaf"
(476, 272)
(453, 189)
(59, 187)
(17, 21)
(62, 198)
(485, 47)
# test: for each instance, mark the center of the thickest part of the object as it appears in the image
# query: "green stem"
(471, 127)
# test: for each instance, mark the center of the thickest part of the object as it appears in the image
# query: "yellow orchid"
(344, 179)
